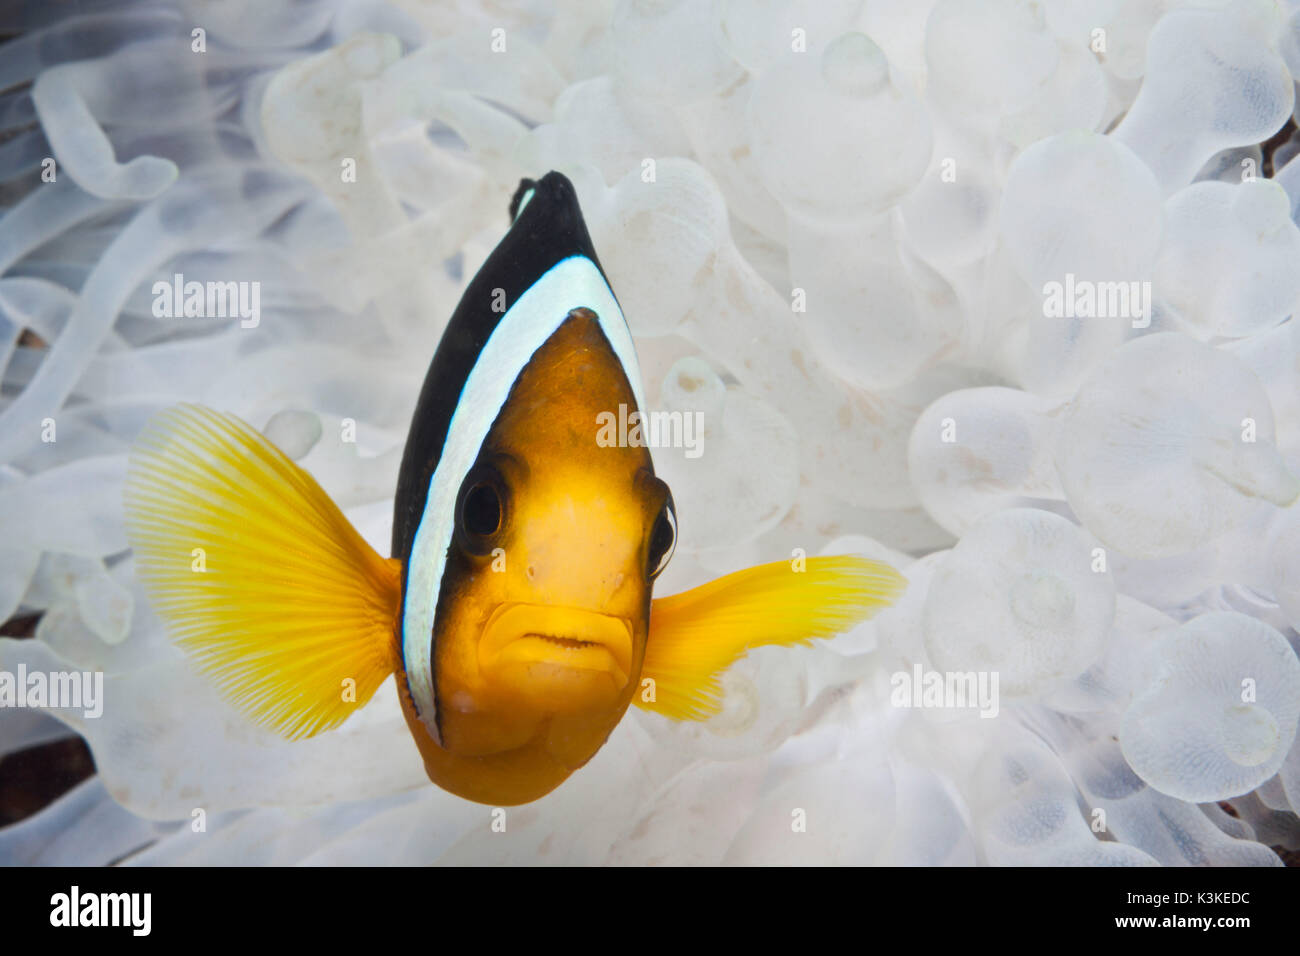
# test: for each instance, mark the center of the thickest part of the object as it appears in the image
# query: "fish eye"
(663, 539)
(481, 513)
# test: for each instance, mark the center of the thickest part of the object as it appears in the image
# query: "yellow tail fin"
(257, 573)
(697, 634)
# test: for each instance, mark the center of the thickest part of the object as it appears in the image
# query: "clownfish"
(516, 611)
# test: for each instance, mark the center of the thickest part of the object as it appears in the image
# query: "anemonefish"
(516, 611)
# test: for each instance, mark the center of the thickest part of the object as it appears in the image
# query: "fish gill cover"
(999, 293)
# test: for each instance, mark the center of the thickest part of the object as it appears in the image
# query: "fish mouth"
(557, 648)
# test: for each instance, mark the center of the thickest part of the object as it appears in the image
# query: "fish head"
(559, 536)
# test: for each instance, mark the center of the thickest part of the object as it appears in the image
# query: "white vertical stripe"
(570, 284)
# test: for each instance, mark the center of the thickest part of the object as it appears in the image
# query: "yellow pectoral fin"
(258, 574)
(697, 634)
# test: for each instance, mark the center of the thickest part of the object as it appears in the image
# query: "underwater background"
(999, 292)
